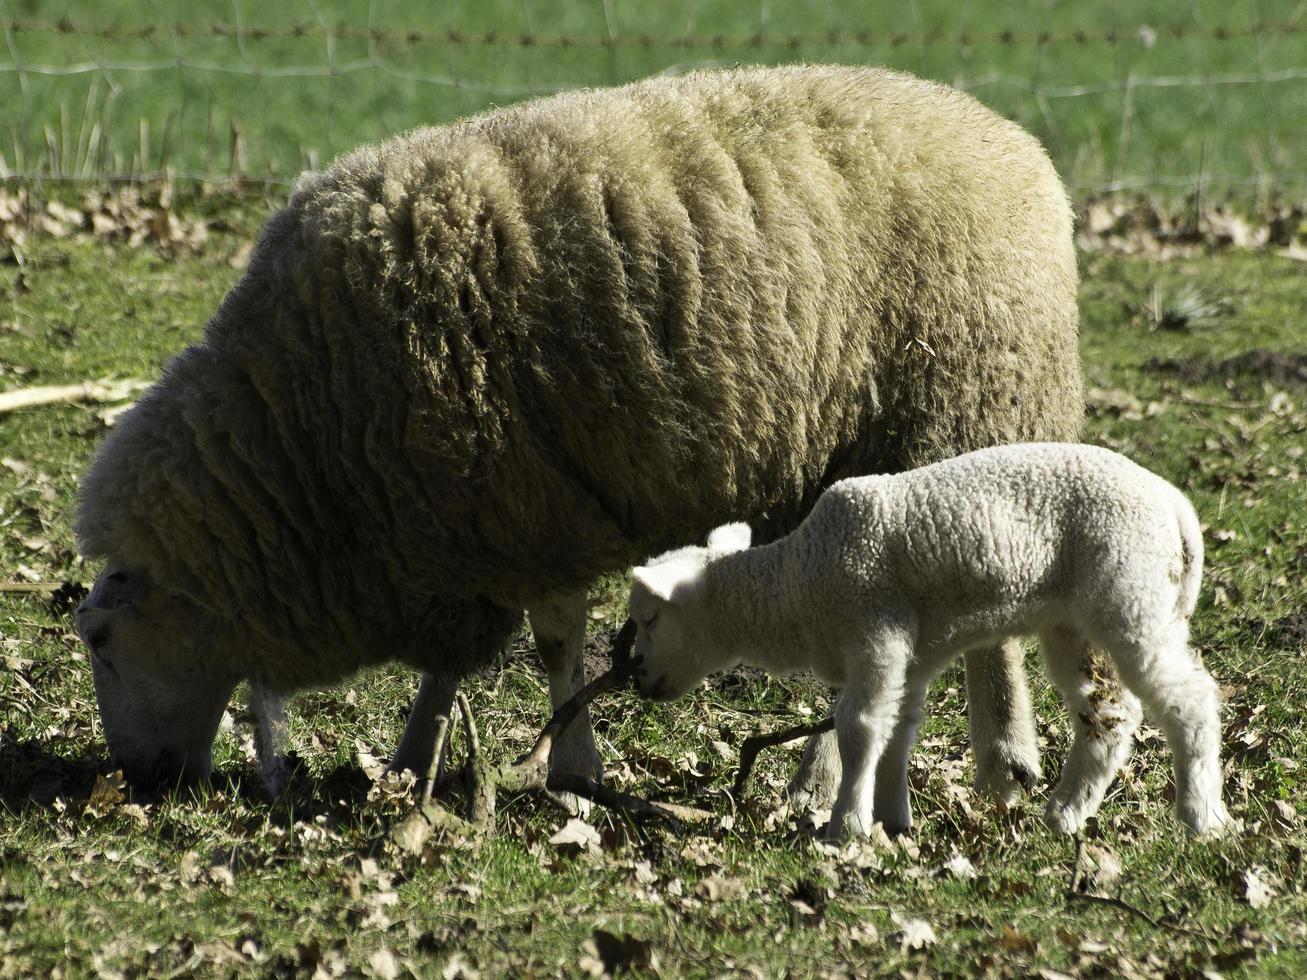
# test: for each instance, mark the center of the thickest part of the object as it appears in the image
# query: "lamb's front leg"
(559, 630)
(893, 809)
(865, 721)
(817, 778)
(1002, 721)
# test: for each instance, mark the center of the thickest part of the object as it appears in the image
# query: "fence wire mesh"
(1160, 96)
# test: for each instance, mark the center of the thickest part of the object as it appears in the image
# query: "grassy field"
(229, 882)
(1163, 94)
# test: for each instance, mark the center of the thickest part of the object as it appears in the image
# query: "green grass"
(227, 882)
(175, 100)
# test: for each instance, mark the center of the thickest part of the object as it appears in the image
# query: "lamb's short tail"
(1191, 557)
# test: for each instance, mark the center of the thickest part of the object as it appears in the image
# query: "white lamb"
(890, 577)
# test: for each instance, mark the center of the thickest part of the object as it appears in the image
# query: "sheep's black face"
(159, 695)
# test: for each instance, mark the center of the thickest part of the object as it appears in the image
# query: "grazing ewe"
(473, 368)
(890, 577)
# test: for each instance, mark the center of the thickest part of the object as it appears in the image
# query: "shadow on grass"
(32, 775)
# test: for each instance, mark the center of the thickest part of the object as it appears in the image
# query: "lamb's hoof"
(1063, 818)
(1207, 821)
(1008, 774)
(817, 779)
(835, 832)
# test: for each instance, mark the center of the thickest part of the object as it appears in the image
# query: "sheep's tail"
(1191, 557)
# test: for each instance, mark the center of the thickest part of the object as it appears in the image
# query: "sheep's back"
(534, 345)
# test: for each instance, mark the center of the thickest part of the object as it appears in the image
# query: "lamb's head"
(160, 690)
(672, 609)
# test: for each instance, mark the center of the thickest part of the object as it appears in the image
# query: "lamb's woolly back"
(500, 357)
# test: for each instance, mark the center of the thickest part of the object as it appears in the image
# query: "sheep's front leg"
(1002, 721)
(271, 736)
(559, 629)
(865, 722)
(435, 699)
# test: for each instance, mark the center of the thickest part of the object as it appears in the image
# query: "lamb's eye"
(647, 624)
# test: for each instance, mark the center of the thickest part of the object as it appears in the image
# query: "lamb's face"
(669, 604)
(160, 697)
(663, 597)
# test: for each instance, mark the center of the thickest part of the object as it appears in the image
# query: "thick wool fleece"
(488, 361)
(890, 577)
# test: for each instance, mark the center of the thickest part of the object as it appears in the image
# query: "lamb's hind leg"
(1103, 722)
(1182, 698)
(559, 629)
(1002, 721)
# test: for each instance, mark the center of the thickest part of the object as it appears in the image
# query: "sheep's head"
(160, 691)
(669, 603)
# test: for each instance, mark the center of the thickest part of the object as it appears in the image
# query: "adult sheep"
(472, 368)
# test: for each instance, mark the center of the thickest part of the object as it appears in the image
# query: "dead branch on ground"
(87, 391)
(531, 772)
(754, 744)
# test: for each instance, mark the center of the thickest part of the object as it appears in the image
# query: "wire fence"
(1157, 96)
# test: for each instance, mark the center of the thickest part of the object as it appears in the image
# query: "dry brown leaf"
(1017, 942)
(382, 965)
(716, 888)
(1104, 869)
(913, 933)
(1256, 888)
(960, 867)
(107, 793)
(577, 833)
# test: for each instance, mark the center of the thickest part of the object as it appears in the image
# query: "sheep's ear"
(117, 588)
(730, 537)
(671, 582)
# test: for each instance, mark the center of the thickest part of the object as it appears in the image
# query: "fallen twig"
(530, 773)
(754, 744)
(433, 767)
(1074, 894)
(87, 391)
(481, 780)
(29, 588)
(597, 792)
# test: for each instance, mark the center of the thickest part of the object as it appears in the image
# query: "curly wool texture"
(500, 357)
(994, 543)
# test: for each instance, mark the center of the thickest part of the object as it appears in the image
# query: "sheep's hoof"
(577, 806)
(587, 764)
(895, 824)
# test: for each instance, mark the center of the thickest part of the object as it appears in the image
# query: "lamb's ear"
(671, 581)
(730, 537)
